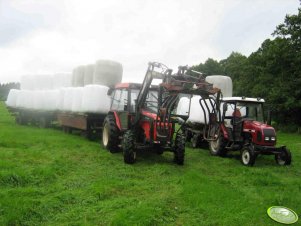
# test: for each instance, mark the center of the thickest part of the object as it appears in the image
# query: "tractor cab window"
(120, 100)
(250, 110)
(151, 103)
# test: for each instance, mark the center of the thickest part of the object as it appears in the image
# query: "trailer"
(89, 124)
(24, 116)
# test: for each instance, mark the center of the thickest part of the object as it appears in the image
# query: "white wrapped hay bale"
(61, 80)
(196, 112)
(95, 99)
(43, 82)
(77, 95)
(183, 106)
(38, 99)
(68, 98)
(25, 99)
(78, 76)
(88, 74)
(51, 100)
(222, 82)
(107, 73)
(12, 98)
(27, 82)
(62, 92)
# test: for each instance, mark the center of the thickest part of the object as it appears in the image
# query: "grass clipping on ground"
(51, 178)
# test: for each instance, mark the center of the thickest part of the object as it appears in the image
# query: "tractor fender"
(224, 131)
(117, 119)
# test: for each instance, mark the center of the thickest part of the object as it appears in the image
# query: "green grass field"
(51, 178)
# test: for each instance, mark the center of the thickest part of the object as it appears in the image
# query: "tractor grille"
(269, 135)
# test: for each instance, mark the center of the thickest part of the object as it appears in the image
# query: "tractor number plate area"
(282, 215)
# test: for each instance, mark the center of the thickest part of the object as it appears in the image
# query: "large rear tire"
(179, 151)
(217, 147)
(248, 156)
(110, 135)
(128, 146)
(285, 158)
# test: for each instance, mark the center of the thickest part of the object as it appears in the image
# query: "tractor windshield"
(246, 109)
(151, 103)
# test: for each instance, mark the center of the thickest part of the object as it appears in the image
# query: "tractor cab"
(124, 103)
(238, 112)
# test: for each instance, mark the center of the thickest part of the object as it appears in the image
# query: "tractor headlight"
(273, 138)
(266, 138)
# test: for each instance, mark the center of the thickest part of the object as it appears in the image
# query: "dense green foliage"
(272, 72)
(51, 178)
(4, 89)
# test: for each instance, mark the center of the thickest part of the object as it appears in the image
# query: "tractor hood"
(262, 133)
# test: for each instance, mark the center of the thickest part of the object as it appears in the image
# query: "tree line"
(273, 72)
(4, 89)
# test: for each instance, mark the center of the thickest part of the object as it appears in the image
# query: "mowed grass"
(51, 178)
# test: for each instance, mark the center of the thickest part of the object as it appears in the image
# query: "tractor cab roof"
(242, 99)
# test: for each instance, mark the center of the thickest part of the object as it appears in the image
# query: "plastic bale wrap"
(51, 100)
(107, 73)
(183, 106)
(196, 112)
(38, 99)
(77, 95)
(25, 99)
(95, 99)
(68, 98)
(27, 82)
(222, 82)
(88, 74)
(61, 80)
(78, 76)
(43, 82)
(12, 98)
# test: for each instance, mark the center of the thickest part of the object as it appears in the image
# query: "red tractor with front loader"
(142, 116)
(237, 124)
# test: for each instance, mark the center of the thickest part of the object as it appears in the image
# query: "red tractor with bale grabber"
(142, 116)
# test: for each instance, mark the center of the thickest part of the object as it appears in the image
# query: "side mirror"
(269, 117)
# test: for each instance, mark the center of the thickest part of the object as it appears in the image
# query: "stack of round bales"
(85, 90)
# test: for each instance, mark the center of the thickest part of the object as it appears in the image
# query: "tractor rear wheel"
(217, 147)
(248, 156)
(179, 151)
(110, 135)
(284, 158)
(128, 146)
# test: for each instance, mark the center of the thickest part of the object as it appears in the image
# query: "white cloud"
(132, 32)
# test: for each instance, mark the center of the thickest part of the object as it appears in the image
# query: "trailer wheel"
(128, 146)
(195, 141)
(217, 147)
(284, 158)
(110, 135)
(248, 156)
(179, 150)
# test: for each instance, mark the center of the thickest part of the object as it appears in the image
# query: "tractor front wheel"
(128, 146)
(248, 156)
(110, 135)
(179, 151)
(284, 158)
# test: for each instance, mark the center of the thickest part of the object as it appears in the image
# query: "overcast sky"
(48, 36)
